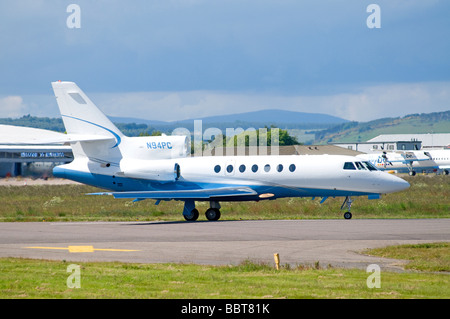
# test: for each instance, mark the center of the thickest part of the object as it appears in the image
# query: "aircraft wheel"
(193, 216)
(212, 214)
(348, 215)
(412, 173)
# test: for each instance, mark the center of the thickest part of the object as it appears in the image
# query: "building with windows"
(30, 151)
(399, 142)
(430, 140)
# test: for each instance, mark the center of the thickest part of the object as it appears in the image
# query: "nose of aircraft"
(395, 184)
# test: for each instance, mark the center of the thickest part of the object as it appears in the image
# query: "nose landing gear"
(347, 202)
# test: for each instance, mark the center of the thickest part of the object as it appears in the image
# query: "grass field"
(24, 278)
(428, 197)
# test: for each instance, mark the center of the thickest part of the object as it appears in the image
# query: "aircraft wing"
(208, 193)
(408, 158)
(412, 157)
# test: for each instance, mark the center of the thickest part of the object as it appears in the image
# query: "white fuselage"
(282, 176)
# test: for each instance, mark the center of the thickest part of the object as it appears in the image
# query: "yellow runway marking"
(81, 249)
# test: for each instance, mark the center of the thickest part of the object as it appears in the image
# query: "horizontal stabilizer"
(185, 194)
(72, 138)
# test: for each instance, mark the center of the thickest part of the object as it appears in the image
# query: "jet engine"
(156, 170)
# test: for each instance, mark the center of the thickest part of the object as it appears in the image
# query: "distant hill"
(437, 122)
(325, 128)
(274, 116)
(45, 123)
(257, 119)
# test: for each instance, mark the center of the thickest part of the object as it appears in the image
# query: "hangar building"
(29, 151)
(399, 142)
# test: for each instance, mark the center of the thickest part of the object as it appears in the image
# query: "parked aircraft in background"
(161, 168)
(411, 161)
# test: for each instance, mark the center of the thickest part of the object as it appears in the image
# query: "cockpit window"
(360, 166)
(349, 165)
(370, 167)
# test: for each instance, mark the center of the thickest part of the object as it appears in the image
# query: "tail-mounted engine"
(157, 170)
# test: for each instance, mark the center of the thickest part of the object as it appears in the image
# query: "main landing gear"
(191, 214)
(347, 202)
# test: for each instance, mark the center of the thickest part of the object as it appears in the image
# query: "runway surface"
(330, 242)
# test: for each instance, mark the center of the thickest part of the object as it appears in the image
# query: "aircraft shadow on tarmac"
(177, 222)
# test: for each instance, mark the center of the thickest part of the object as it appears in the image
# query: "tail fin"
(80, 115)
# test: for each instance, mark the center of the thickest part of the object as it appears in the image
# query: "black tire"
(212, 214)
(193, 216)
(348, 215)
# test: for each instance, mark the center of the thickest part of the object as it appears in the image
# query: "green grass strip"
(34, 279)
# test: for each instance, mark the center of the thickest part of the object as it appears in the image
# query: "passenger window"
(292, 167)
(229, 168)
(217, 168)
(279, 168)
(254, 168)
(349, 165)
(242, 168)
(267, 168)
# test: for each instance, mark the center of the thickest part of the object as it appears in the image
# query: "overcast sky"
(177, 59)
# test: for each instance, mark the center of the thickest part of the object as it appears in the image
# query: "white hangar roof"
(19, 135)
(428, 140)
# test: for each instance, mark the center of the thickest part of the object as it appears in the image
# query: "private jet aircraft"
(161, 168)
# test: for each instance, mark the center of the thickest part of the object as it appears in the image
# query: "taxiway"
(338, 243)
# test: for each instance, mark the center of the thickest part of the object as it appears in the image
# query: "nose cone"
(395, 184)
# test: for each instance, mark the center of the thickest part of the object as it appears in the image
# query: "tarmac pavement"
(337, 243)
